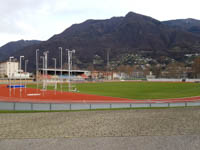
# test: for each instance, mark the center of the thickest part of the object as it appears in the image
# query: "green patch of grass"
(137, 90)
(141, 90)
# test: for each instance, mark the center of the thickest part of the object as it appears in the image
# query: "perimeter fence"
(25, 106)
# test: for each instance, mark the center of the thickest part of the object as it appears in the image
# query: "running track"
(51, 96)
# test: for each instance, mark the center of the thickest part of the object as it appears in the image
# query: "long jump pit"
(51, 96)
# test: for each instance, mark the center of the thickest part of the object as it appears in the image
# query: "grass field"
(138, 90)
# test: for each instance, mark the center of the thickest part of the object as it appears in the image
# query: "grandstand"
(55, 74)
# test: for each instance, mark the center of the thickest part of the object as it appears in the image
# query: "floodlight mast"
(55, 74)
(61, 49)
(26, 62)
(69, 67)
(36, 74)
(21, 75)
(42, 57)
(45, 65)
(10, 75)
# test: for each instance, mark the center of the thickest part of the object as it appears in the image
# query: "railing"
(87, 106)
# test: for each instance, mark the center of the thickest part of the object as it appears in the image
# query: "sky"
(41, 19)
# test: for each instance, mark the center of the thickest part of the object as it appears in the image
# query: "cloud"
(27, 17)
(40, 19)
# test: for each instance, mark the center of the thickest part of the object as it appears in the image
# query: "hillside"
(190, 25)
(132, 34)
(12, 47)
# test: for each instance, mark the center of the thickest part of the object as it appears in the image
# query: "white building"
(9, 69)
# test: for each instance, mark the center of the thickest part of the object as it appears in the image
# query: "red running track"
(50, 96)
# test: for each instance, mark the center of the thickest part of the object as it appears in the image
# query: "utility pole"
(108, 58)
(108, 62)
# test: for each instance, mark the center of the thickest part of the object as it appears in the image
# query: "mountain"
(190, 25)
(132, 34)
(12, 47)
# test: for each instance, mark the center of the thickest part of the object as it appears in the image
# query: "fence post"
(90, 106)
(32, 106)
(168, 104)
(130, 105)
(70, 106)
(110, 106)
(14, 106)
(50, 106)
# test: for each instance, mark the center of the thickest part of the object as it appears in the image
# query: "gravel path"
(105, 143)
(116, 124)
(154, 122)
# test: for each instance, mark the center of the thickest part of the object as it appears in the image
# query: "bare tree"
(196, 67)
(175, 70)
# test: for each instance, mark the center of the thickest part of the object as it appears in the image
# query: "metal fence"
(86, 106)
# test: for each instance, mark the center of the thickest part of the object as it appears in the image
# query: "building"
(8, 69)
(11, 70)
(107, 75)
(62, 74)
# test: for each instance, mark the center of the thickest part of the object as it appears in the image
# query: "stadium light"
(69, 66)
(26, 62)
(36, 74)
(10, 75)
(20, 75)
(42, 57)
(45, 65)
(61, 66)
(55, 74)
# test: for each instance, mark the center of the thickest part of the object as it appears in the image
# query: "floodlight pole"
(61, 67)
(55, 74)
(42, 57)
(10, 75)
(20, 75)
(26, 62)
(69, 67)
(36, 74)
(45, 65)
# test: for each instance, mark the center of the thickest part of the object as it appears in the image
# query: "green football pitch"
(137, 90)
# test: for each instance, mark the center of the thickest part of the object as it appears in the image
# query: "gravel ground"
(158, 125)
(105, 143)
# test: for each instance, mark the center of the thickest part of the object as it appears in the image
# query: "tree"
(196, 67)
(157, 69)
(175, 70)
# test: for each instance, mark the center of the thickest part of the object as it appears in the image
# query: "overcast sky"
(41, 19)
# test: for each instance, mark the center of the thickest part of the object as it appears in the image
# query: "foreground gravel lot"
(111, 125)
